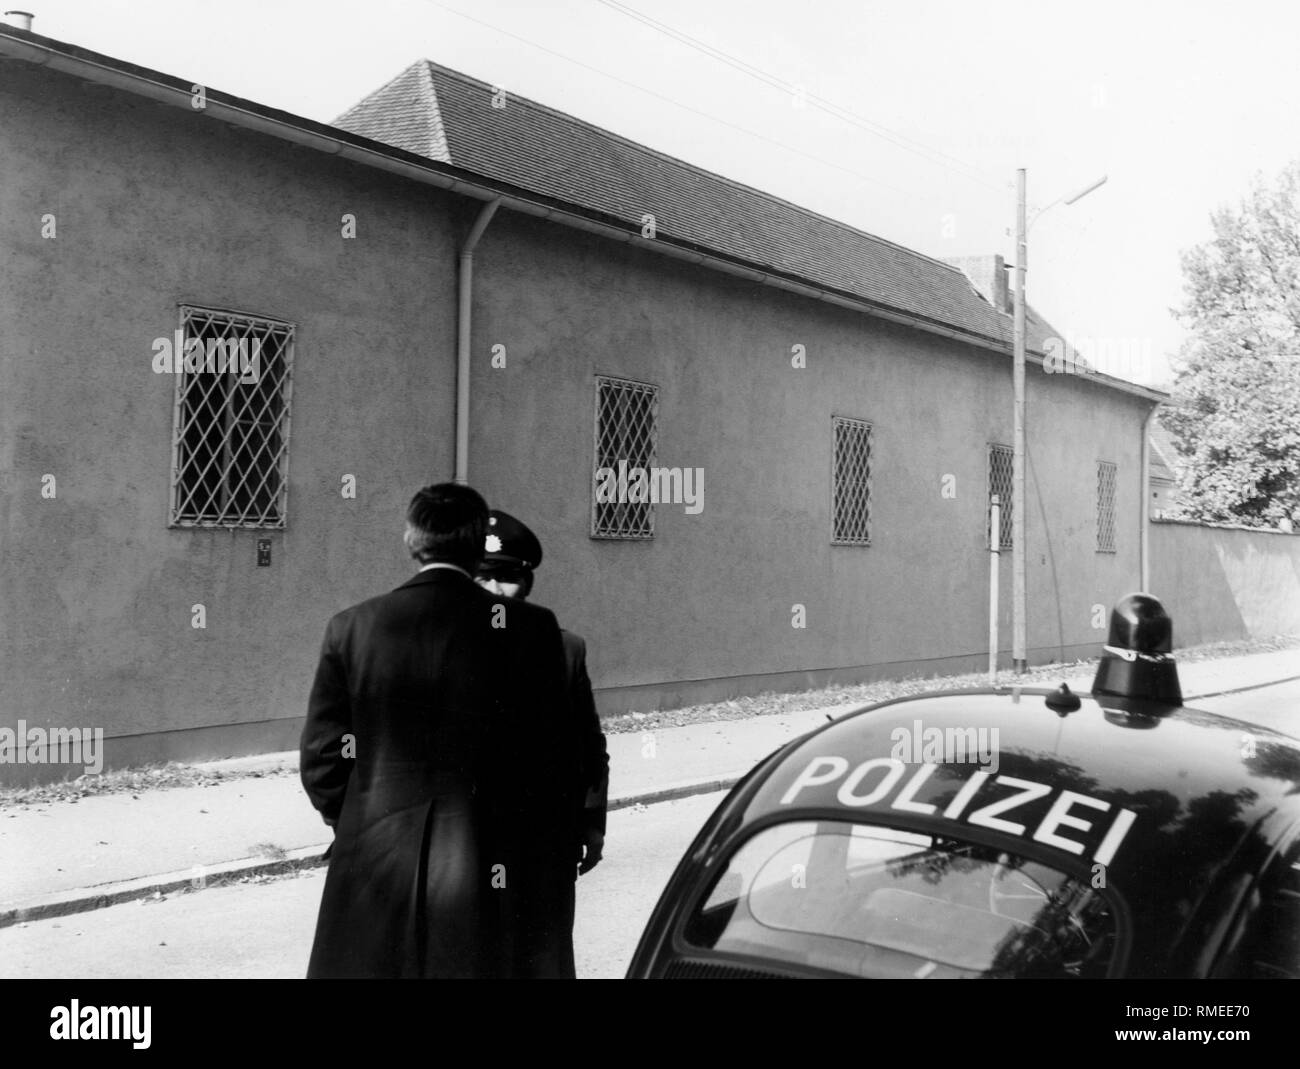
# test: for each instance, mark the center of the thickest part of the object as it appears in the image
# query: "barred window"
(626, 414)
(1001, 461)
(230, 433)
(851, 482)
(1106, 476)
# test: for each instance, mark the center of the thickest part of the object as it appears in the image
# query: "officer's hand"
(593, 846)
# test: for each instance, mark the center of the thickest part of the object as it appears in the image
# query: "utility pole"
(1018, 657)
(1018, 449)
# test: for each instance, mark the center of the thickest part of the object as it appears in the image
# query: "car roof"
(1172, 802)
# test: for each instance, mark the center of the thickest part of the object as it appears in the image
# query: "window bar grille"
(850, 482)
(624, 431)
(242, 479)
(1001, 460)
(227, 451)
(1106, 479)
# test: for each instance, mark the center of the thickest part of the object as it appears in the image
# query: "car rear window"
(865, 900)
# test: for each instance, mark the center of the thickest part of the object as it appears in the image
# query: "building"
(825, 412)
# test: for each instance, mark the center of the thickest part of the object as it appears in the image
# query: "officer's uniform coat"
(595, 756)
(441, 749)
(590, 798)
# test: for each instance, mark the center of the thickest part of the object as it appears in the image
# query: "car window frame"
(720, 857)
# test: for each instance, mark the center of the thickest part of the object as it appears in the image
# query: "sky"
(906, 120)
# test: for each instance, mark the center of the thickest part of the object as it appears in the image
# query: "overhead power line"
(679, 104)
(927, 152)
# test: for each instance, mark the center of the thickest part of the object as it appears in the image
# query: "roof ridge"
(375, 92)
(471, 80)
(437, 129)
(432, 133)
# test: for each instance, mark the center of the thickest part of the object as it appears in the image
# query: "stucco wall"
(710, 598)
(156, 206)
(1224, 583)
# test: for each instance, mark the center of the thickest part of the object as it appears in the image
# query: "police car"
(1007, 832)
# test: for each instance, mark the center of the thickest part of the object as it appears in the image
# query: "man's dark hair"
(447, 522)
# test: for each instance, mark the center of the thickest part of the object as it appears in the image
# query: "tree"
(1235, 415)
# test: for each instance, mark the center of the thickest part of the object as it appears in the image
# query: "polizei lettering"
(983, 799)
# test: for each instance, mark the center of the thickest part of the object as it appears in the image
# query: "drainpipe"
(1144, 513)
(463, 304)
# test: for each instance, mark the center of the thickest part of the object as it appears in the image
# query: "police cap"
(510, 542)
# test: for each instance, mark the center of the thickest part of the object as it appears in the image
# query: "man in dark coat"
(511, 553)
(438, 744)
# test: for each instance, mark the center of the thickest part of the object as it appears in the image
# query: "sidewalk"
(57, 859)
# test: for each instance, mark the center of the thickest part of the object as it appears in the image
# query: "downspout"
(1144, 513)
(463, 320)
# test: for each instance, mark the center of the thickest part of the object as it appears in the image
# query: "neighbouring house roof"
(1164, 458)
(434, 111)
(1163, 468)
(988, 274)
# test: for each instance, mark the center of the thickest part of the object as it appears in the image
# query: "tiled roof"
(448, 116)
(404, 113)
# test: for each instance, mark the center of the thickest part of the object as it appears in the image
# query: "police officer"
(511, 554)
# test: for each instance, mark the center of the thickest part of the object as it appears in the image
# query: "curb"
(64, 903)
(201, 877)
(1241, 690)
(671, 794)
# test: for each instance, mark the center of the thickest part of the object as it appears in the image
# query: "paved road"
(264, 930)
(1276, 707)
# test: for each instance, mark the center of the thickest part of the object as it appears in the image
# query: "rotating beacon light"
(1137, 661)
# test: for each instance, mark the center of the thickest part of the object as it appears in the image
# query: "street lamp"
(1018, 660)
